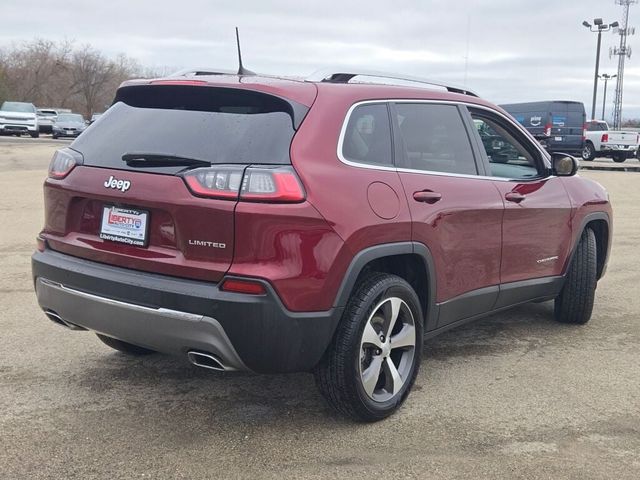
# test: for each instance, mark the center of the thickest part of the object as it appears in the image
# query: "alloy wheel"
(387, 349)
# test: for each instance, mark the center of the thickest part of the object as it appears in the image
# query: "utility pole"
(623, 51)
(598, 27)
(466, 55)
(606, 77)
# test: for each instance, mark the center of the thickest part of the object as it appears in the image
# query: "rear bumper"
(571, 150)
(64, 133)
(630, 149)
(174, 316)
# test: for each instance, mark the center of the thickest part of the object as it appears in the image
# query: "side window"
(508, 157)
(435, 139)
(367, 138)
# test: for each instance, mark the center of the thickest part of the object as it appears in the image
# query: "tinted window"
(508, 157)
(367, 138)
(597, 127)
(217, 125)
(18, 107)
(70, 117)
(435, 139)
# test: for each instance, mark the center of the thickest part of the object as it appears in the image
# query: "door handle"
(427, 196)
(514, 197)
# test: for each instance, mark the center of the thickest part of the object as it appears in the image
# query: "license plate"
(558, 139)
(124, 225)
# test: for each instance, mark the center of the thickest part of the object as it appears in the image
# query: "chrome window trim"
(343, 130)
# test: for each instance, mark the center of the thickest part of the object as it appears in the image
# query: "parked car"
(602, 142)
(68, 125)
(281, 225)
(17, 118)
(94, 117)
(46, 118)
(559, 125)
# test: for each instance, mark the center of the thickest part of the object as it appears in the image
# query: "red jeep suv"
(278, 225)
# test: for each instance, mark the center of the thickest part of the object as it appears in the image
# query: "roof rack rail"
(344, 75)
(193, 72)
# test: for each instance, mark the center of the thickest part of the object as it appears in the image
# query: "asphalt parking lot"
(513, 396)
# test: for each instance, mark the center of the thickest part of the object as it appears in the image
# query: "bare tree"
(51, 74)
(90, 73)
(31, 68)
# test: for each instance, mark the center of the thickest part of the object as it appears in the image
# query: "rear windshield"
(217, 125)
(597, 127)
(70, 117)
(18, 107)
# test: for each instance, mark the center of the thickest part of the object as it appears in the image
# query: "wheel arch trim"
(375, 252)
(588, 218)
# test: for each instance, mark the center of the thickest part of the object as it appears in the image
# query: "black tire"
(588, 152)
(124, 347)
(340, 373)
(575, 302)
(619, 158)
(34, 134)
(54, 136)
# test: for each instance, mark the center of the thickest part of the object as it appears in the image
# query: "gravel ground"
(512, 396)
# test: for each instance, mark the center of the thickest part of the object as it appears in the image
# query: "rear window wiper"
(161, 160)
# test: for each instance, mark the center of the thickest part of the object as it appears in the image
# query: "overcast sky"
(518, 50)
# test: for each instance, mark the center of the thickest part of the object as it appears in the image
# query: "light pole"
(598, 27)
(606, 77)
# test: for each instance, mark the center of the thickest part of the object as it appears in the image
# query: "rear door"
(536, 230)
(455, 213)
(568, 121)
(131, 177)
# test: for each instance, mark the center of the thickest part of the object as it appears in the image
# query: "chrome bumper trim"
(160, 329)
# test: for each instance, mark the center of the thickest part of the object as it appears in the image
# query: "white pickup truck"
(602, 142)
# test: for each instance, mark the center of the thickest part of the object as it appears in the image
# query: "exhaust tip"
(55, 318)
(205, 360)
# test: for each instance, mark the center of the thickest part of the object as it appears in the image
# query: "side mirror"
(564, 165)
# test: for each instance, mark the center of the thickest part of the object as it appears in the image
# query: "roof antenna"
(241, 69)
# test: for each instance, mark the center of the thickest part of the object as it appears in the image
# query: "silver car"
(46, 117)
(68, 125)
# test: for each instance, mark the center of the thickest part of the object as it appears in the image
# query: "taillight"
(547, 130)
(605, 138)
(584, 132)
(178, 82)
(263, 184)
(63, 162)
(251, 184)
(250, 287)
(219, 182)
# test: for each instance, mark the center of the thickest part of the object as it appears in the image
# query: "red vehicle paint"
(270, 202)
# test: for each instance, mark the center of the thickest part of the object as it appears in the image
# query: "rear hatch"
(568, 121)
(158, 176)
